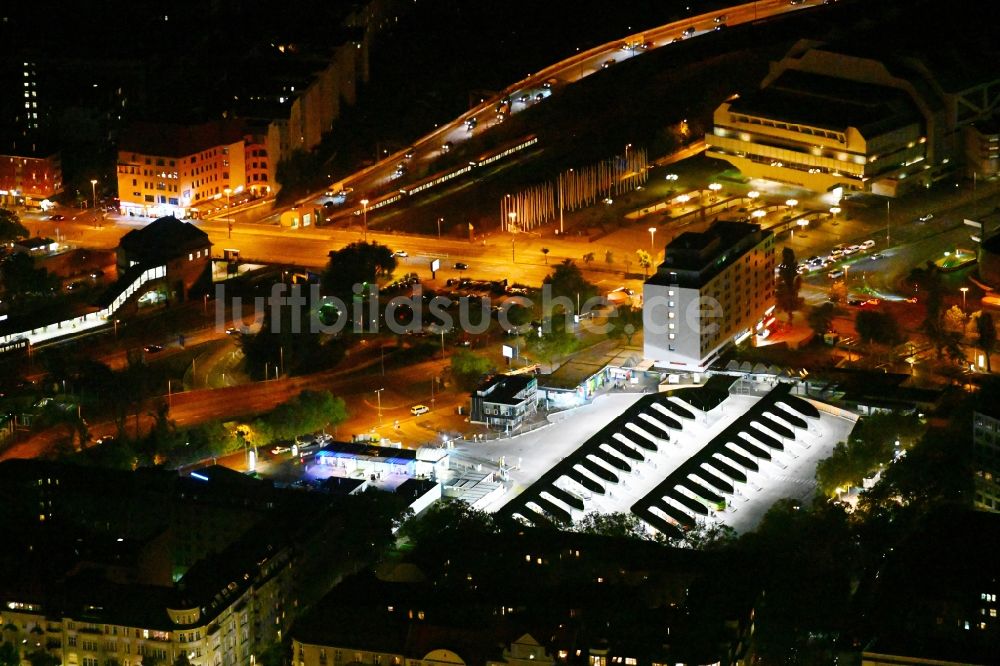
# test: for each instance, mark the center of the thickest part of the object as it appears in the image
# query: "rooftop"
(503, 389)
(695, 257)
(830, 103)
(162, 240)
(175, 140)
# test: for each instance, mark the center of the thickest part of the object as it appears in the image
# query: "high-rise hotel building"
(714, 288)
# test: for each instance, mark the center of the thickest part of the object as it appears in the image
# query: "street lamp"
(512, 216)
(440, 220)
(364, 212)
(715, 187)
(93, 190)
(964, 290)
(378, 394)
(759, 213)
(683, 199)
(229, 215)
(791, 203)
(652, 242)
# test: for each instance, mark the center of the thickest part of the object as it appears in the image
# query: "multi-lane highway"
(534, 89)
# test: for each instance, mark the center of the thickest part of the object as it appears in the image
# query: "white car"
(400, 253)
(867, 245)
(417, 410)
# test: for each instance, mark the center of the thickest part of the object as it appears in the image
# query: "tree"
(645, 260)
(545, 253)
(9, 655)
(621, 524)
(820, 317)
(567, 281)
(986, 336)
(838, 292)
(786, 290)
(11, 228)
(928, 282)
(468, 369)
(627, 323)
(21, 280)
(554, 343)
(879, 328)
(356, 264)
(954, 320)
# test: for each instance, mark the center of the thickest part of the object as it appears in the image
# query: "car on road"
(74, 285)
(877, 255)
(461, 266)
(401, 253)
(867, 245)
(608, 63)
(232, 331)
(471, 123)
(835, 275)
(855, 302)
(721, 26)
(417, 410)
(926, 218)
(278, 450)
(408, 155)
(721, 18)
(689, 31)
(56, 218)
(446, 146)
(548, 85)
(152, 349)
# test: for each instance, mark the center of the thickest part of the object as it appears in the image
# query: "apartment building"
(29, 177)
(986, 460)
(168, 169)
(713, 289)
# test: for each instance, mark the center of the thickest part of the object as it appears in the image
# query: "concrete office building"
(986, 460)
(713, 289)
(849, 116)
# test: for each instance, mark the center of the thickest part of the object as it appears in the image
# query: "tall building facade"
(713, 289)
(986, 460)
(166, 169)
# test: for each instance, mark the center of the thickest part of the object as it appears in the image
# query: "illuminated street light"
(759, 213)
(364, 213)
(652, 242)
(683, 199)
(835, 210)
(753, 194)
(964, 290)
(228, 212)
(792, 203)
(715, 187)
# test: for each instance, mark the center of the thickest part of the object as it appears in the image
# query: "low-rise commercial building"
(505, 401)
(713, 289)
